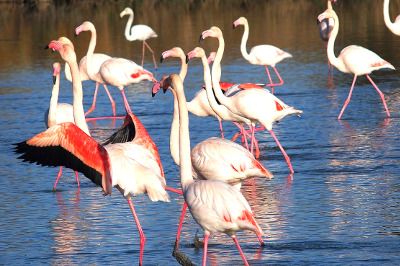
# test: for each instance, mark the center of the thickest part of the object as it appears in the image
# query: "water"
(341, 206)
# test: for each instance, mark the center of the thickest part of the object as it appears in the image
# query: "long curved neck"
(243, 43)
(174, 137)
(210, 95)
(79, 114)
(184, 67)
(331, 44)
(386, 16)
(52, 116)
(90, 51)
(128, 27)
(216, 73)
(184, 138)
(67, 72)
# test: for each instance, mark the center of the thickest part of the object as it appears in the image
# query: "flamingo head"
(126, 11)
(214, 31)
(85, 26)
(239, 21)
(65, 47)
(56, 71)
(162, 84)
(327, 14)
(174, 52)
(330, 3)
(197, 52)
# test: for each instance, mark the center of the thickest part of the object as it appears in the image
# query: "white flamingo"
(259, 106)
(88, 71)
(392, 26)
(138, 32)
(215, 205)
(125, 161)
(58, 113)
(353, 59)
(264, 55)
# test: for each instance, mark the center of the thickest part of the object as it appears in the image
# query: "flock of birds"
(211, 173)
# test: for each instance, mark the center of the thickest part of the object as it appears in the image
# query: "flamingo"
(254, 104)
(88, 71)
(199, 105)
(392, 26)
(214, 205)
(125, 161)
(325, 28)
(58, 112)
(214, 158)
(138, 32)
(265, 55)
(353, 59)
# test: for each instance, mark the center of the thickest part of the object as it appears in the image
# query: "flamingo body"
(267, 55)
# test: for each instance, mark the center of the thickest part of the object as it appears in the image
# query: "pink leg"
(206, 236)
(142, 53)
(58, 178)
(111, 99)
(283, 151)
(240, 251)
(243, 133)
(174, 190)
(252, 139)
(279, 77)
(127, 107)
(270, 80)
(142, 236)
(380, 94)
(152, 53)
(348, 97)
(181, 218)
(77, 178)
(94, 100)
(220, 128)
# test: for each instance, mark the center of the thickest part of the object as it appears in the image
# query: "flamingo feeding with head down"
(392, 26)
(126, 160)
(259, 106)
(264, 55)
(353, 59)
(213, 158)
(88, 70)
(138, 32)
(215, 205)
(58, 113)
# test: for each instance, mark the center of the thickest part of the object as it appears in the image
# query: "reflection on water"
(340, 207)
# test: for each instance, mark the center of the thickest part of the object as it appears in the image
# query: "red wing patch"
(225, 85)
(135, 75)
(378, 64)
(245, 86)
(278, 106)
(227, 219)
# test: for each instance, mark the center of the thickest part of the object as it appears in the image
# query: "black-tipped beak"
(233, 25)
(164, 90)
(161, 59)
(200, 38)
(46, 47)
(318, 22)
(187, 59)
(153, 94)
(54, 79)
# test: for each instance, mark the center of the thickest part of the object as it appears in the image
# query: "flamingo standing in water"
(353, 59)
(126, 160)
(138, 32)
(215, 205)
(58, 113)
(325, 28)
(259, 106)
(89, 70)
(214, 158)
(199, 105)
(264, 55)
(392, 26)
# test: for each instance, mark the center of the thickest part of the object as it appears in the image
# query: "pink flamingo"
(90, 70)
(58, 113)
(259, 106)
(214, 158)
(353, 59)
(125, 161)
(138, 32)
(215, 205)
(264, 55)
(199, 105)
(392, 26)
(325, 28)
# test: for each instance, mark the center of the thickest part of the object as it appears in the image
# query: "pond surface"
(342, 205)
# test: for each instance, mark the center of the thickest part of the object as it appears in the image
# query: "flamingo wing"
(125, 133)
(67, 145)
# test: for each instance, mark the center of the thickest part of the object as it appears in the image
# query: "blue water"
(342, 205)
